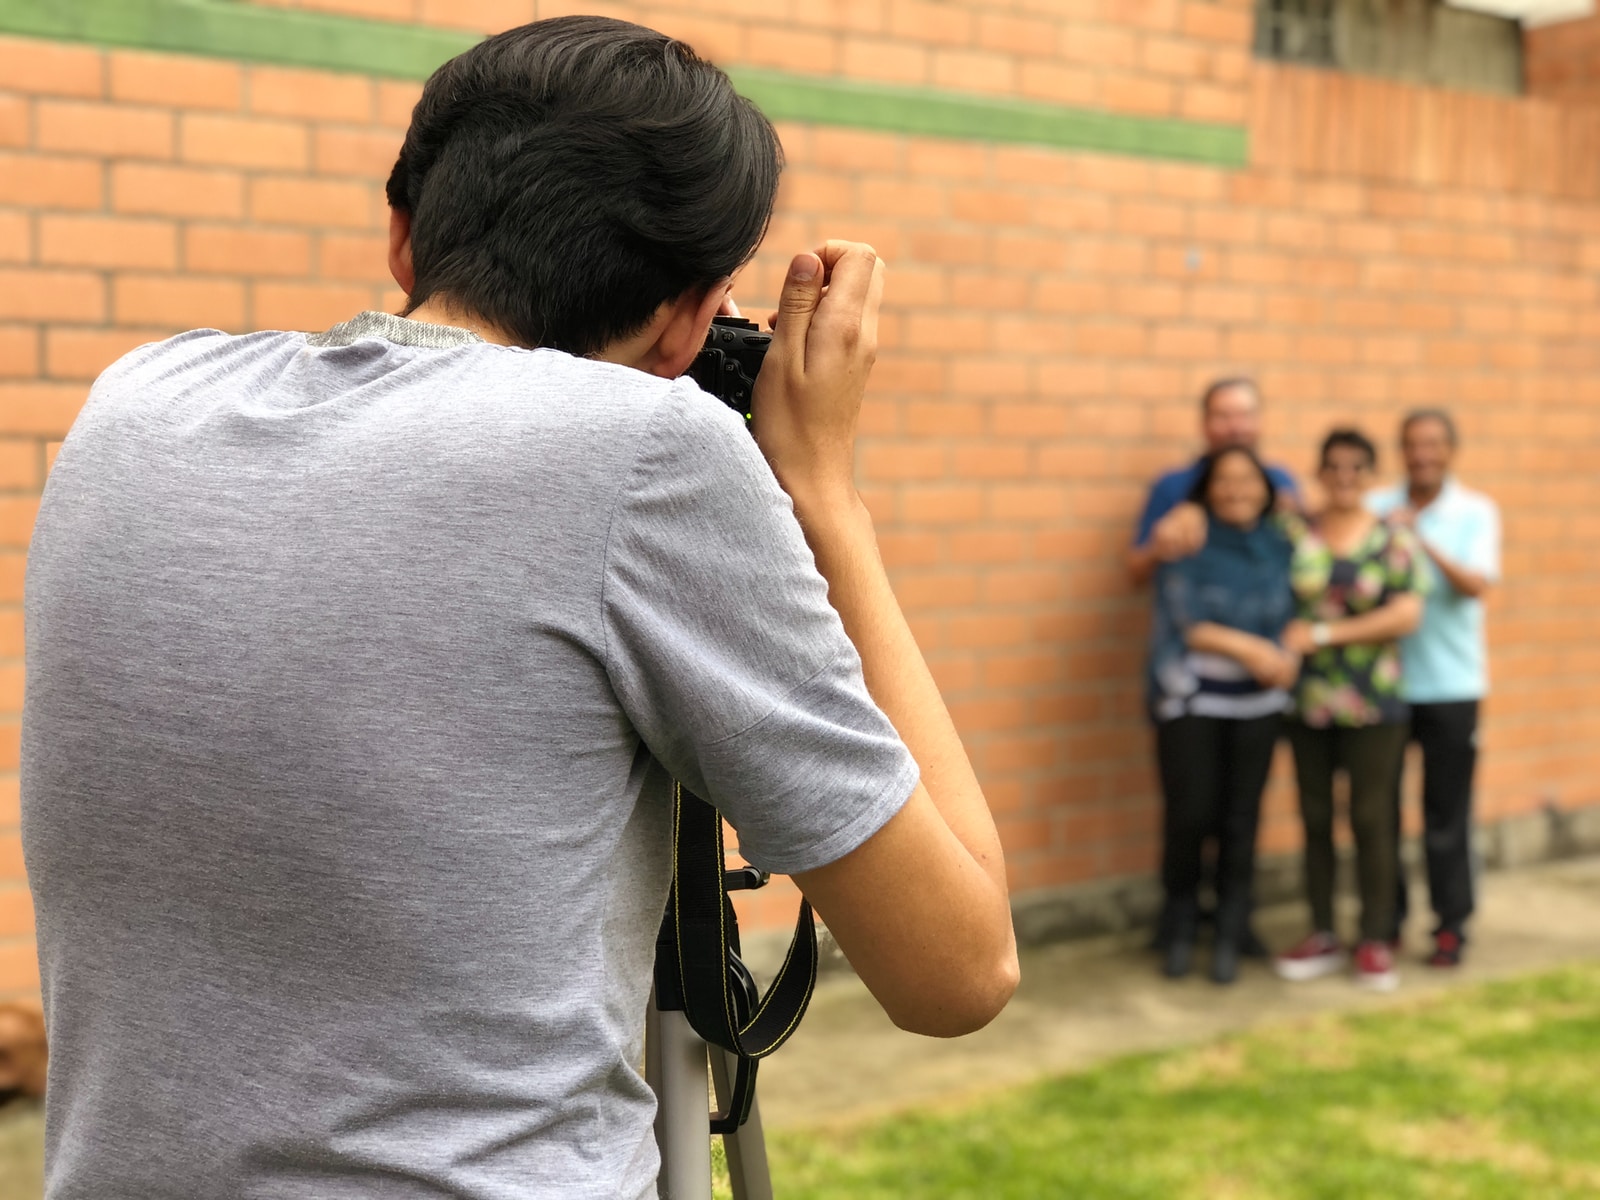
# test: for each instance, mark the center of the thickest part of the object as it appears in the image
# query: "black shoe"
(1251, 945)
(1224, 962)
(1447, 947)
(1180, 919)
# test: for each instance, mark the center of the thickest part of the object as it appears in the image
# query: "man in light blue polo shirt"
(1445, 662)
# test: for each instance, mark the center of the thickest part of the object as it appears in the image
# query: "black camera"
(728, 365)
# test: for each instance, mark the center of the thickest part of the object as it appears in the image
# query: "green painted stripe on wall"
(947, 114)
(252, 33)
(230, 29)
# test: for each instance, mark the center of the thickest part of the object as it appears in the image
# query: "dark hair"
(1418, 415)
(1222, 385)
(1200, 492)
(567, 177)
(1352, 438)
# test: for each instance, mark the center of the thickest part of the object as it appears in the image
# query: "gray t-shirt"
(357, 670)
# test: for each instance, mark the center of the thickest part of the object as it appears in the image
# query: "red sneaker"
(1318, 954)
(1375, 967)
(1446, 949)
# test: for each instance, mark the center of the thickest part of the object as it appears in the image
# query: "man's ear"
(400, 250)
(680, 328)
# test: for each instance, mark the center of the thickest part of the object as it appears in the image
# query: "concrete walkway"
(1082, 1003)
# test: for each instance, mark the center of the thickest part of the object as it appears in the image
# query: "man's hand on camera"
(920, 908)
(808, 395)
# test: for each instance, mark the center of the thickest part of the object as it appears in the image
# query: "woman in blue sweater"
(1218, 685)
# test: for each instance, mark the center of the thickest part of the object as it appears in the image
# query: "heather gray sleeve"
(726, 655)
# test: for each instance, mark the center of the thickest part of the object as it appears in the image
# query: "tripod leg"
(652, 1068)
(747, 1148)
(683, 1118)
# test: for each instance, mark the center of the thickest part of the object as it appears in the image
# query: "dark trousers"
(1213, 772)
(1369, 755)
(1448, 735)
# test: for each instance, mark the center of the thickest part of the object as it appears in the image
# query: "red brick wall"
(1562, 61)
(1051, 317)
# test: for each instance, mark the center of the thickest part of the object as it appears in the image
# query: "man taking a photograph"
(360, 667)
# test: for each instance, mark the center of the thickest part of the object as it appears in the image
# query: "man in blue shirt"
(1445, 663)
(1170, 527)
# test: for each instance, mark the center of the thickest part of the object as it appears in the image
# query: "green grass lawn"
(1487, 1092)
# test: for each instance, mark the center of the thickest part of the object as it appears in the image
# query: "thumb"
(802, 292)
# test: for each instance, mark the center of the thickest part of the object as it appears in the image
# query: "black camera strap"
(698, 969)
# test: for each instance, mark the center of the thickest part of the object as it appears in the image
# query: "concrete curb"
(1129, 906)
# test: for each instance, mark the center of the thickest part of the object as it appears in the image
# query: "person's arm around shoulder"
(1141, 563)
(1177, 534)
(1472, 575)
(921, 908)
(1291, 503)
(1462, 579)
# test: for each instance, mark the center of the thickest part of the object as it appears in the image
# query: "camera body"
(731, 359)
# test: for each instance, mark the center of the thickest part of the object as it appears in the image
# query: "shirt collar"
(402, 331)
(1449, 493)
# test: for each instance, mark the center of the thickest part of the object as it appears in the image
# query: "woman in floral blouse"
(1358, 591)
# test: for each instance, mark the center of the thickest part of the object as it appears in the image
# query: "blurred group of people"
(1353, 627)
